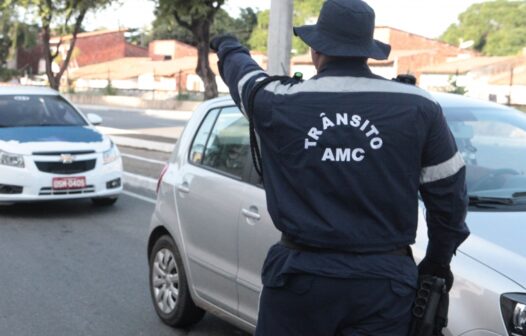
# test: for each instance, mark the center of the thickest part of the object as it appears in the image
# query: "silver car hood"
(498, 240)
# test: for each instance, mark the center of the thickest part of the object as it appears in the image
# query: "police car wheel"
(169, 287)
(104, 201)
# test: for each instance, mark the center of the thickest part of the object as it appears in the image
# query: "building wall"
(402, 40)
(183, 50)
(436, 52)
(172, 49)
(28, 59)
(500, 93)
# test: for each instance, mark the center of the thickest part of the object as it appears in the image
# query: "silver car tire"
(169, 287)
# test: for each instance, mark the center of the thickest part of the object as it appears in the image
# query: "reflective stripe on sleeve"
(442, 170)
(242, 83)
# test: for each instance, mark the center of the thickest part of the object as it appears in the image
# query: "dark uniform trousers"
(313, 305)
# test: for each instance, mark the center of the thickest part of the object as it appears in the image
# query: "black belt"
(287, 242)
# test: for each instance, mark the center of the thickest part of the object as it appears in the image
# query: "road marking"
(140, 158)
(142, 198)
(143, 144)
(169, 114)
(140, 181)
(115, 131)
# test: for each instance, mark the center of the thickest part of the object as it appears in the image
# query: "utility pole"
(511, 85)
(280, 37)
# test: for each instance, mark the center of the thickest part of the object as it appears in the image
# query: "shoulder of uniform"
(344, 84)
(406, 88)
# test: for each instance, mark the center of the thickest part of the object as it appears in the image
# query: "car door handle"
(251, 214)
(184, 188)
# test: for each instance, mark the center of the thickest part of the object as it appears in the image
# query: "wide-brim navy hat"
(345, 28)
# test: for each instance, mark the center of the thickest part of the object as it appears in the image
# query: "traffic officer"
(344, 156)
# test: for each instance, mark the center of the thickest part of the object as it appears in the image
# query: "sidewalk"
(158, 139)
(161, 139)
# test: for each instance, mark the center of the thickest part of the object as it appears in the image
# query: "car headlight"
(513, 307)
(110, 155)
(13, 160)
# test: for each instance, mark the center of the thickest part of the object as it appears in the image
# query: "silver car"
(211, 230)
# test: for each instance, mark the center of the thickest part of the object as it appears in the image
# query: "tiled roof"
(55, 39)
(394, 55)
(133, 67)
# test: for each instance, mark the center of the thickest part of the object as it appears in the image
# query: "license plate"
(63, 183)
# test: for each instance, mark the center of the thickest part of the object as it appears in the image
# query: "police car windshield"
(36, 110)
(493, 143)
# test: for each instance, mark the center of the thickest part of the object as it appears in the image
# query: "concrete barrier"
(132, 102)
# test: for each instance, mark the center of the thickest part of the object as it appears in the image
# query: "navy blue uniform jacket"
(344, 157)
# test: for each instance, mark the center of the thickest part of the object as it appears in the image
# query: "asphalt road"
(136, 119)
(70, 268)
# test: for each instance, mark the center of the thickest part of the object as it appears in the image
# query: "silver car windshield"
(36, 110)
(493, 144)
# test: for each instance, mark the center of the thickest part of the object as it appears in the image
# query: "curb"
(183, 115)
(139, 181)
(143, 144)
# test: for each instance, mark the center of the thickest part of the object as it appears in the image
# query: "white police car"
(51, 151)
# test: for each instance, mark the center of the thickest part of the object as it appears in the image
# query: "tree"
(496, 28)
(5, 36)
(62, 17)
(197, 17)
(14, 34)
(455, 88)
(165, 27)
(304, 12)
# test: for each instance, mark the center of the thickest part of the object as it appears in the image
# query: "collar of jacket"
(345, 67)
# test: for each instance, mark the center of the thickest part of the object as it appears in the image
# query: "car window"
(492, 143)
(201, 137)
(36, 110)
(228, 146)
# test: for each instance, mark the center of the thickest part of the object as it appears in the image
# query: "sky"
(429, 18)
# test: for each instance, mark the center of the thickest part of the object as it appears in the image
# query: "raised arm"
(237, 69)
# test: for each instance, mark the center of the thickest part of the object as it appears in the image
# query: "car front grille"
(48, 191)
(66, 168)
(64, 152)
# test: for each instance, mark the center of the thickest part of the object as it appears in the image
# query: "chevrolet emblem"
(67, 158)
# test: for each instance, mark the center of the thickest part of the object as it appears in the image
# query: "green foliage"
(109, 90)
(496, 28)
(259, 38)
(242, 26)
(197, 17)
(57, 17)
(7, 74)
(166, 27)
(191, 12)
(454, 88)
(304, 11)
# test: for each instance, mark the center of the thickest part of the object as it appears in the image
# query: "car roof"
(27, 90)
(446, 100)
(449, 100)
